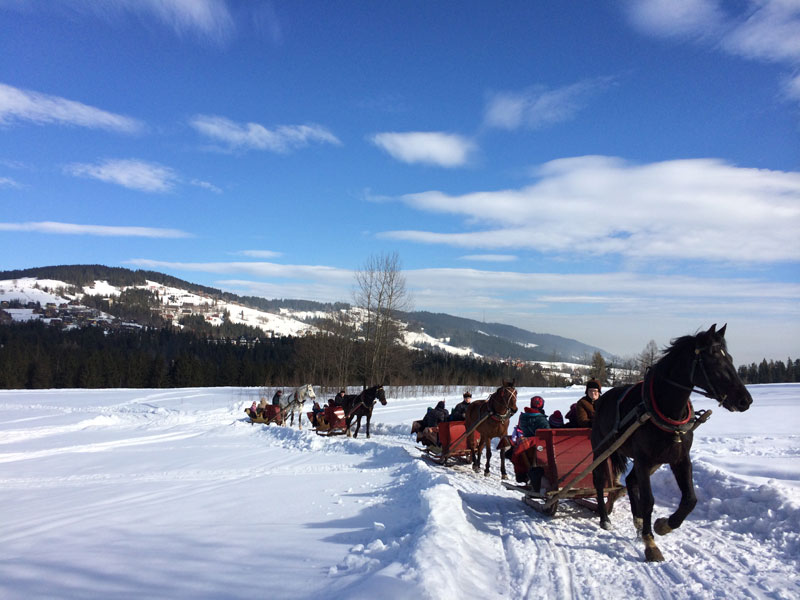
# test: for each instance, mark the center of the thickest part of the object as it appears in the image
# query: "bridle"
(709, 391)
(510, 407)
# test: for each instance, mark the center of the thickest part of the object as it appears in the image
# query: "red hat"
(556, 419)
(537, 402)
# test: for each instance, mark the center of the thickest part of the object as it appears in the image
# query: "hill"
(173, 298)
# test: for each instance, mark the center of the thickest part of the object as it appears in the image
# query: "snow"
(173, 494)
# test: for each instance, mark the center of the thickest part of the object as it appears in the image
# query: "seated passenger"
(251, 412)
(534, 417)
(459, 413)
(556, 420)
(581, 414)
(316, 410)
(427, 431)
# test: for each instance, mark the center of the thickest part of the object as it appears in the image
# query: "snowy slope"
(172, 494)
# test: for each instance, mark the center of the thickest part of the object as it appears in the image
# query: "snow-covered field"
(172, 494)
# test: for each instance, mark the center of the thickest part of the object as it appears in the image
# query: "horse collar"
(659, 419)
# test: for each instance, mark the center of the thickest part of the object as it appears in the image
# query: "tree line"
(34, 355)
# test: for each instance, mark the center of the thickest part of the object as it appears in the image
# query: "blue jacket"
(530, 422)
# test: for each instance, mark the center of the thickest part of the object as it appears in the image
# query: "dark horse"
(490, 419)
(693, 361)
(361, 405)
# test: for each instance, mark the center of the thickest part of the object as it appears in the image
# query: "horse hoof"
(486, 473)
(653, 554)
(503, 476)
(606, 525)
(661, 526)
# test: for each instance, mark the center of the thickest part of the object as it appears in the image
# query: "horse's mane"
(684, 346)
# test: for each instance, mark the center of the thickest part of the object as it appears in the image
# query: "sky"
(172, 493)
(612, 172)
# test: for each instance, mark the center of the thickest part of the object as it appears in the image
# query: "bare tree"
(648, 357)
(380, 293)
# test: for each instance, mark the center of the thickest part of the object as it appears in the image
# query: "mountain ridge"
(463, 335)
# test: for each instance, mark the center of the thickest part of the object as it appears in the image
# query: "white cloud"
(539, 106)
(489, 257)
(427, 147)
(261, 269)
(260, 253)
(22, 105)
(669, 18)
(760, 29)
(7, 182)
(791, 87)
(98, 230)
(684, 209)
(252, 136)
(770, 32)
(615, 310)
(130, 173)
(205, 185)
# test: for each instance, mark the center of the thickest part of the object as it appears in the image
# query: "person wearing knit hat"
(533, 417)
(556, 420)
(581, 414)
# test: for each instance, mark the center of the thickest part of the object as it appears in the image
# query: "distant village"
(72, 315)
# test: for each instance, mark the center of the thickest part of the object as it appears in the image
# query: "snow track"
(175, 494)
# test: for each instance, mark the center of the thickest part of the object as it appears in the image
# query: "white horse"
(294, 402)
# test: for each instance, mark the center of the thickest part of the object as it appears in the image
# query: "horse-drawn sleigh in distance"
(338, 415)
(284, 407)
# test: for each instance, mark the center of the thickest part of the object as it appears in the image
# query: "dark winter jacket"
(459, 412)
(276, 399)
(529, 422)
(434, 416)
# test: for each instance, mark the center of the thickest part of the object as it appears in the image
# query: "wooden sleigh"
(331, 421)
(270, 414)
(453, 438)
(564, 455)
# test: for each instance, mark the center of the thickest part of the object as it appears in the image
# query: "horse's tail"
(619, 464)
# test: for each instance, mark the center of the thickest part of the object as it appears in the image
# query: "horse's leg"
(358, 426)
(369, 418)
(488, 456)
(683, 476)
(632, 484)
(599, 480)
(349, 422)
(503, 463)
(646, 502)
(476, 457)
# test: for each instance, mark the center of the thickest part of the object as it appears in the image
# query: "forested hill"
(495, 340)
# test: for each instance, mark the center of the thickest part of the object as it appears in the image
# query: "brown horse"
(490, 419)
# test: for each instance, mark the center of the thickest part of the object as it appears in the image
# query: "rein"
(694, 389)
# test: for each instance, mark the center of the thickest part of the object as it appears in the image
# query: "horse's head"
(503, 402)
(715, 373)
(309, 391)
(380, 394)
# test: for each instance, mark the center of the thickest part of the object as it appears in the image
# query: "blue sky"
(613, 172)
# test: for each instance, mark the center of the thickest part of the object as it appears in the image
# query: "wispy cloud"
(252, 136)
(616, 306)
(129, 173)
(98, 230)
(22, 105)
(7, 182)
(765, 30)
(539, 106)
(490, 257)
(426, 147)
(261, 269)
(676, 18)
(587, 206)
(205, 185)
(259, 253)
